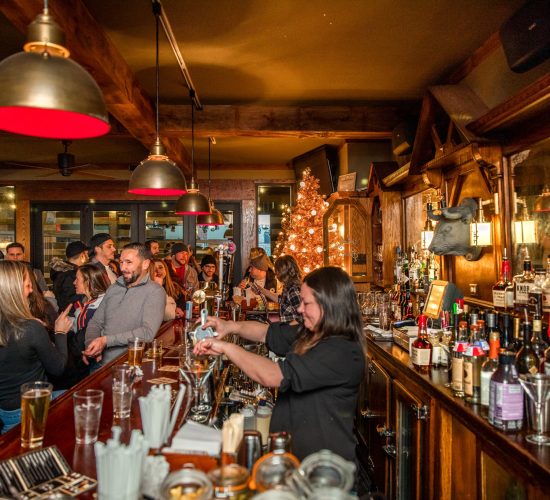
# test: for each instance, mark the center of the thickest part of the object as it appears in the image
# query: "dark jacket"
(63, 274)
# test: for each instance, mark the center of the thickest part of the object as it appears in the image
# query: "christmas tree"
(302, 226)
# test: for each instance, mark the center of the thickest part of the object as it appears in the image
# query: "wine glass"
(198, 368)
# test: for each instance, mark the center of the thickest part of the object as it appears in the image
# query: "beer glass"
(155, 351)
(35, 402)
(136, 347)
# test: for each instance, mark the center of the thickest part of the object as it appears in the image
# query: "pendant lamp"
(192, 203)
(157, 175)
(43, 93)
(215, 218)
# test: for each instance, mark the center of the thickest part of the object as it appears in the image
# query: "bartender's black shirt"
(318, 394)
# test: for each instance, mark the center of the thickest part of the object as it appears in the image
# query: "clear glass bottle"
(506, 395)
(488, 368)
(421, 351)
(522, 285)
(526, 359)
(457, 363)
(503, 290)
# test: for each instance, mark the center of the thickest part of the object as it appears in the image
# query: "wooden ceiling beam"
(374, 121)
(126, 100)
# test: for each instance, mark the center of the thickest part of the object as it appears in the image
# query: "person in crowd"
(102, 253)
(63, 273)
(289, 274)
(180, 270)
(260, 274)
(16, 251)
(26, 353)
(324, 360)
(175, 295)
(90, 285)
(153, 246)
(42, 308)
(132, 307)
(1, 255)
(208, 270)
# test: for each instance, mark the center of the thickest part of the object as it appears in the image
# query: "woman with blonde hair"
(175, 295)
(26, 353)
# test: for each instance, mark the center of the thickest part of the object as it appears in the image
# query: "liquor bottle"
(546, 293)
(488, 368)
(506, 339)
(457, 363)
(474, 357)
(506, 395)
(503, 291)
(539, 345)
(526, 359)
(517, 339)
(397, 267)
(522, 285)
(421, 348)
(535, 295)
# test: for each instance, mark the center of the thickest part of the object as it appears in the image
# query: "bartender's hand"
(244, 283)
(211, 347)
(220, 326)
(63, 323)
(96, 347)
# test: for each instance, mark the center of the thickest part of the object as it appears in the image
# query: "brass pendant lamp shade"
(542, 203)
(192, 203)
(157, 175)
(43, 93)
(215, 217)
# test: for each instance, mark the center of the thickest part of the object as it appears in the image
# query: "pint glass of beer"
(35, 402)
(136, 346)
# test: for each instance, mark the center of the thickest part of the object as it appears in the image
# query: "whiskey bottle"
(460, 346)
(421, 352)
(526, 359)
(506, 395)
(522, 285)
(503, 291)
(474, 357)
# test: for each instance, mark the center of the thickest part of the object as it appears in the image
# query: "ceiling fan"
(66, 165)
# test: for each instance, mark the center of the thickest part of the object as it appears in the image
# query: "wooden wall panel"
(391, 225)
(463, 462)
(413, 221)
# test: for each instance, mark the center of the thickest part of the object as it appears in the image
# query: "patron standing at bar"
(208, 270)
(132, 307)
(180, 270)
(319, 378)
(102, 253)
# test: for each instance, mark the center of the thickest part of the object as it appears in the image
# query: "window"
(7, 216)
(271, 198)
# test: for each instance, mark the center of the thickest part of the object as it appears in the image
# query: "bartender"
(323, 365)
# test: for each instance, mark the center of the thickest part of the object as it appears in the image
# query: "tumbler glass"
(87, 415)
(123, 378)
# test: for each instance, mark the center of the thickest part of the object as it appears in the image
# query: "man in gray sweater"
(132, 307)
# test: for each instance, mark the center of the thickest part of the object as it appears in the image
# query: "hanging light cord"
(209, 144)
(156, 11)
(192, 95)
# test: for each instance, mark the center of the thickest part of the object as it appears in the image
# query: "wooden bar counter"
(60, 425)
(419, 441)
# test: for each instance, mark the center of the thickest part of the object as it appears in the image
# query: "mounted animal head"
(452, 233)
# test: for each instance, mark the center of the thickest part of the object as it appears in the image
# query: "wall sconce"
(481, 232)
(427, 234)
(525, 230)
(542, 203)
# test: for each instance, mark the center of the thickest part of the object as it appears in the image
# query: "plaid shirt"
(289, 301)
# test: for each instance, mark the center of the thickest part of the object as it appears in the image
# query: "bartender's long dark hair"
(335, 293)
